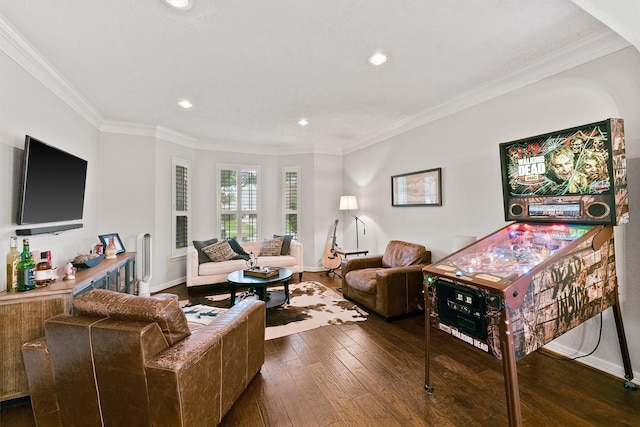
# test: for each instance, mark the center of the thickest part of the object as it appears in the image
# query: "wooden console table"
(22, 314)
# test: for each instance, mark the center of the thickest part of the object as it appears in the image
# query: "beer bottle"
(26, 269)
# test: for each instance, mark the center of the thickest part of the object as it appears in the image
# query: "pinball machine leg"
(510, 372)
(427, 339)
(624, 349)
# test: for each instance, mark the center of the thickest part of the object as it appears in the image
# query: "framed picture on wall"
(422, 188)
(104, 239)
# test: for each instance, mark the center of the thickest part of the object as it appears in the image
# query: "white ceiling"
(252, 68)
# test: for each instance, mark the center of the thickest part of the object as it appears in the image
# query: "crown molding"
(169, 135)
(268, 149)
(600, 44)
(28, 57)
(157, 132)
(161, 133)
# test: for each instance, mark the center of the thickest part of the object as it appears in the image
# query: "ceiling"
(253, 68)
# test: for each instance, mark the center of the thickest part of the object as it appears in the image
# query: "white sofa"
(209, 273)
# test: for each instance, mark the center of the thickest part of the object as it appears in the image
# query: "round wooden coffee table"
(260, 284)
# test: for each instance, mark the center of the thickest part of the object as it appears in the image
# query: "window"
(290, 198)
(181, 212)
(238, 202)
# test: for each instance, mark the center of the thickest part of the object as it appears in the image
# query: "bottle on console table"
(13, 258)
(44, 273)
(26, 269)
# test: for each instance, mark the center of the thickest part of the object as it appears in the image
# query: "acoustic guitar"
(331, 259)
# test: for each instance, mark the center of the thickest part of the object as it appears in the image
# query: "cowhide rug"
(311, 306)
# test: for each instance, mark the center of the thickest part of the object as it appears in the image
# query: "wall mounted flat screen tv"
(53, 184)
(571, 175)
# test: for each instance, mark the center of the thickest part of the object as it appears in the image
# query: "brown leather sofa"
(388, 284)
(129, 360)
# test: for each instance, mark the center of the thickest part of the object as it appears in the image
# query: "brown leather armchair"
(388, 284)
(128, 360)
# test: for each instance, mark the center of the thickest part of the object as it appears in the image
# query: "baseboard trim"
(597, 363)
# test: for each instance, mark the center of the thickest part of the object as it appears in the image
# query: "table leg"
(427, 338)
(262, 293)
(286, 290)
(232, 289)
(509, 370)
(624, 349)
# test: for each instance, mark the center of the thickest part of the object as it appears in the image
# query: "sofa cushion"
(199, 245)
(363, 280)
(209, 268)
(220, 251)
(162, 309)
(271, 247)
(286, 244)
(402, 254)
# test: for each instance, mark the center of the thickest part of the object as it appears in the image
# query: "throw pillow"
(220, 251)
(271, 247)
(286, 244)
(241, 254)
(199, 244)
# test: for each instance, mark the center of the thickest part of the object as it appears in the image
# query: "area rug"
(312, 305)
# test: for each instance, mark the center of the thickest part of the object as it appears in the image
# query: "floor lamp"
(350, 203)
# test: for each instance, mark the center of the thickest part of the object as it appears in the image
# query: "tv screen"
(576, 175)
(53, 184)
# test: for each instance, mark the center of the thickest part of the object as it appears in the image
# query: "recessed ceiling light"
(303, 122)
(185, 103)
(179, 4)
(378, 58)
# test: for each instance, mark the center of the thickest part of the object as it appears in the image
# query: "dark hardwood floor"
(372, 374)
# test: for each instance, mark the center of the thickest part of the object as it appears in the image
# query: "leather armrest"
(42, 387)
(397, 278)
(360, 263)
(388, 273)
(399, 289)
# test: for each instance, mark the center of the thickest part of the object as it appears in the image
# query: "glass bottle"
(43, 272)
(26, 269)
(13, 258)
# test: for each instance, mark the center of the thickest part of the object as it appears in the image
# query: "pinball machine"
(549, 270)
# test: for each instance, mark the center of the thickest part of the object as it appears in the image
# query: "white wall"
(127, 199)
(465, 145)
(327, 189)
(27, 107)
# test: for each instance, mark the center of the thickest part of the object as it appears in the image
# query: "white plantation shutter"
(181, 210)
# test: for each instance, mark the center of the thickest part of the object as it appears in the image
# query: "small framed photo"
(422, 188)
(116, 239)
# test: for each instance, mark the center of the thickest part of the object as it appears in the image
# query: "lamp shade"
(348, 203)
